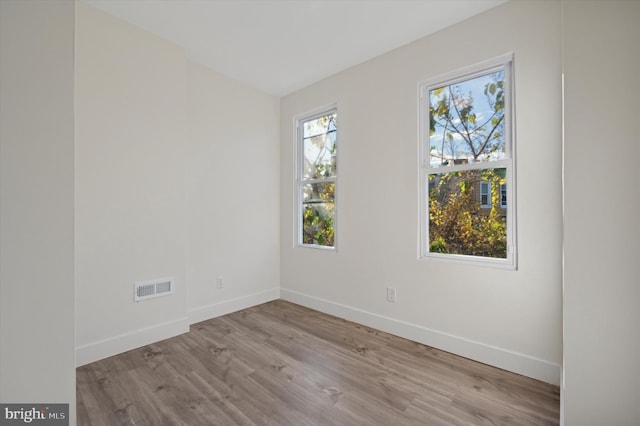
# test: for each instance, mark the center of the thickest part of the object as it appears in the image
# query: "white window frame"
(300, 181)
(506, 194)
(509, 162)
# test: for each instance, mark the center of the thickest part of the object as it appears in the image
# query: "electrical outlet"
(391, 294)
(220, 282)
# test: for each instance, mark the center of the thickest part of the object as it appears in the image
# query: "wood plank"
(283, 364)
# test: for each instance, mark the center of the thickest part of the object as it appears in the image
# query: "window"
(316, 179)
(485, 195)
(467, 167)
(503, 195)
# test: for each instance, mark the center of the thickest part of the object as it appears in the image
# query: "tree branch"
(466, 129)
(490, 133)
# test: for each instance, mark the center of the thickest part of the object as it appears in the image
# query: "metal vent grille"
(163, 287)
(144, 290)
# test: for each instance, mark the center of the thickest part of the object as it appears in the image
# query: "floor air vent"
(155, 288)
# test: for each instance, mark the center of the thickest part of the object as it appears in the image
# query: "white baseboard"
(125, 342)
(498, 357)
(137, 338)
(225, 307)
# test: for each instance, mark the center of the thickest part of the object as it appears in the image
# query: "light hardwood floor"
(283, 364)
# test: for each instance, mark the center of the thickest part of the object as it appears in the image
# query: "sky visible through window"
(319, 137)
(473, 114)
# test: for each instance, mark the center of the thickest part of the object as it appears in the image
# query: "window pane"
(457, 223)
(318, 214)
(319, 146)
(466, 121)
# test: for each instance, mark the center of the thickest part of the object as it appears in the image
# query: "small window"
(467, 167)
(503, 195)
(316, 160)
(485, 195)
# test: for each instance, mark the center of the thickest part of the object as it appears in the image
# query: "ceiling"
(279, 46)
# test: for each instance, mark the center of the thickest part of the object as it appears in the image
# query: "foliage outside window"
(316, 181)
(467, 165)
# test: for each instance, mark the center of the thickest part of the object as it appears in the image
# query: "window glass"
(467, 164)
(466, 121)
(316, 181)
(319, 141)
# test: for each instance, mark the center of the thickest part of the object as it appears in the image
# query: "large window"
(467, 165)
(316, 179)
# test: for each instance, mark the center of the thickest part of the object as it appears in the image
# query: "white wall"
(36, 203)
(602, 207)
(233, 195)
(511, 319)
(131, 144)
(177, 175)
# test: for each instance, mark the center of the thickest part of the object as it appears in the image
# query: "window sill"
(316, 247)
(487, 262)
